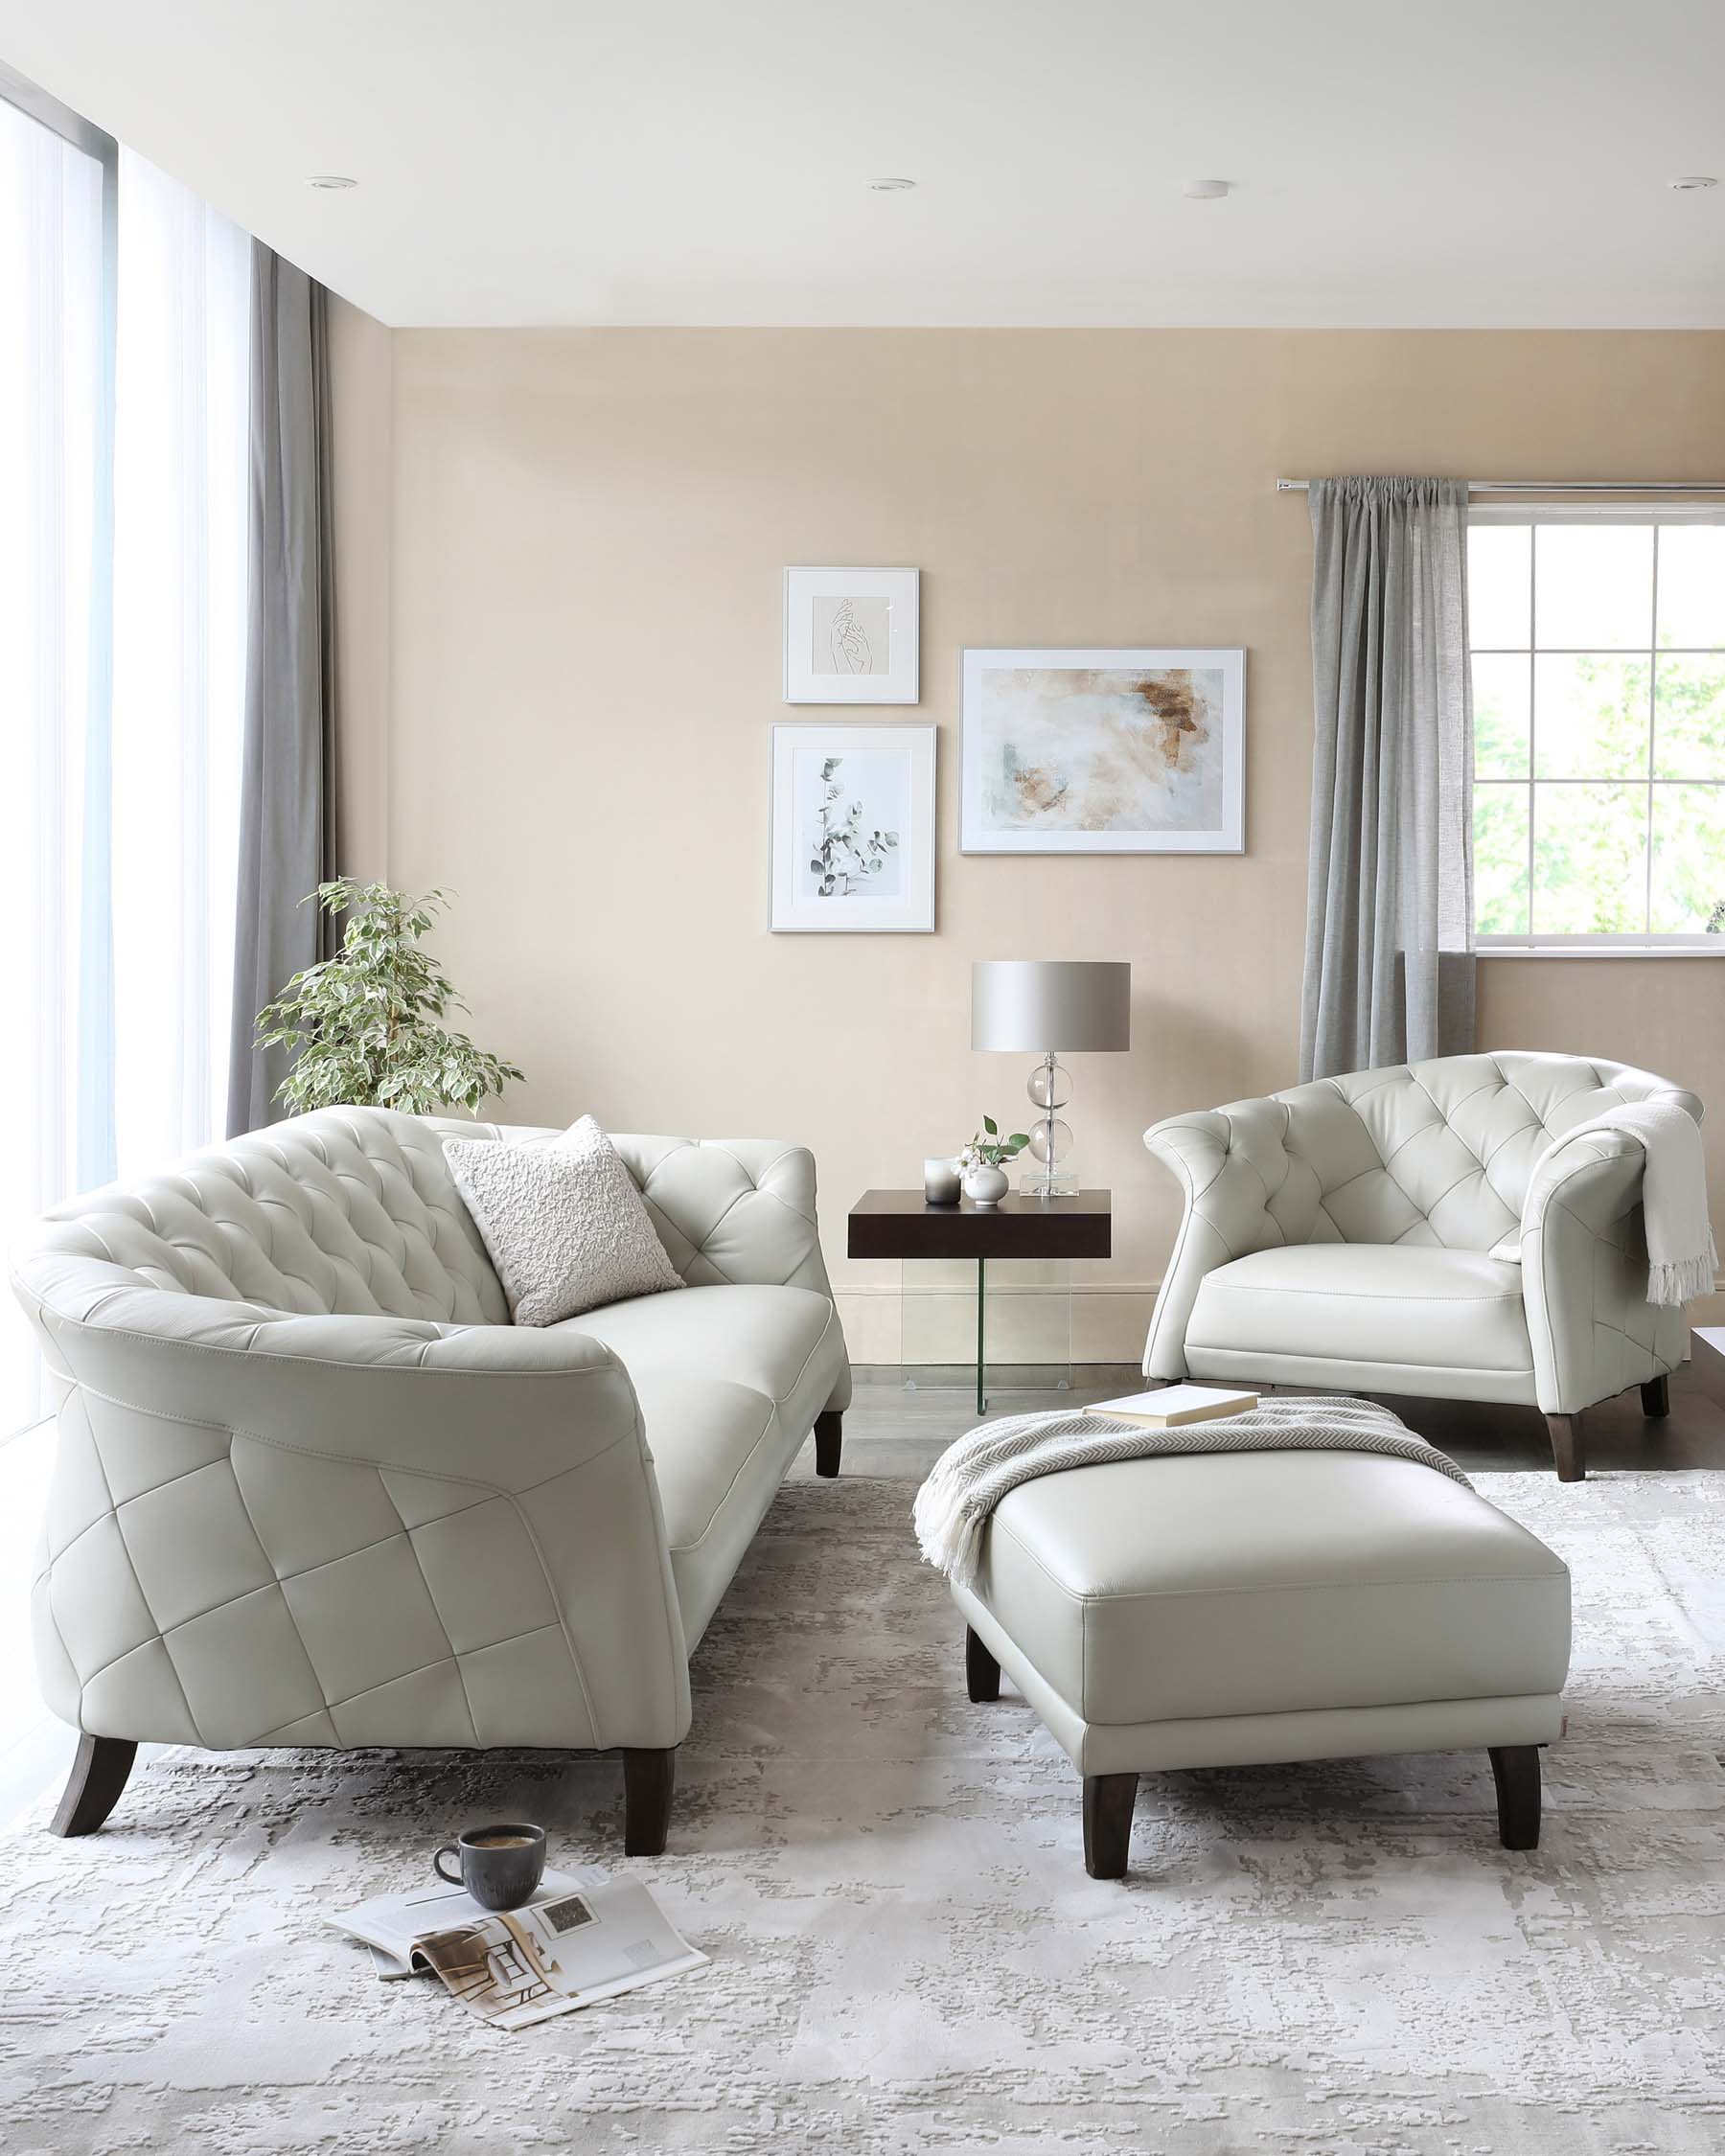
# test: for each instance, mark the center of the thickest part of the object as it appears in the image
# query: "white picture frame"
(1057, 756)
(857, 860)
(852, 636)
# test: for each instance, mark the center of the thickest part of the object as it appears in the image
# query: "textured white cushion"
(564, 1223)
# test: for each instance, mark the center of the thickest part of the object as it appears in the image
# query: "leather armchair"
(1339, 1235)
(312, 1488)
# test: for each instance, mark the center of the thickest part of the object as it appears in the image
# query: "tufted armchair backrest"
(352, 1211)
(1438, 1152)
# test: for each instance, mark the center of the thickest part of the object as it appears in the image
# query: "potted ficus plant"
(982, 1163)
(366, 1028)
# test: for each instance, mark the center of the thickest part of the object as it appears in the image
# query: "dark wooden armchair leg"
(1567, 1447)
(93, 1787)
(1515, 1769)
(1107, 1801)
(829, 1442)
(647, 1780)
(1656, 1397)
(981, 1671)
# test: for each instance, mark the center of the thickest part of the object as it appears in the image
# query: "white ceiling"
(1459, 162)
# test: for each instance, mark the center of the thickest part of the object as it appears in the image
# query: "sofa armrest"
(1228, 1164)
(495, 1479)
(1584, 1275)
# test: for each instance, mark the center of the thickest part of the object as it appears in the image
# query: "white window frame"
(1540, 944)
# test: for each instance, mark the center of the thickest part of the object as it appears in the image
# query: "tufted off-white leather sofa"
(312, 1487)
(1339, 1235)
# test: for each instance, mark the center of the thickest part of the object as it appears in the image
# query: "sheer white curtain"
(121, 694)
(180, 492)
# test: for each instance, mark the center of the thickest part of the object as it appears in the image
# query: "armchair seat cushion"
(1404, 1303)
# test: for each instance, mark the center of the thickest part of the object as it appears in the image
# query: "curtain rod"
(1562, 486)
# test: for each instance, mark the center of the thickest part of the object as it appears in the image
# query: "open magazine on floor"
(583, 1936)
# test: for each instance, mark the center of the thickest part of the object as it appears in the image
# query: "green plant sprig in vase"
(365, 1028)
(988, 1149)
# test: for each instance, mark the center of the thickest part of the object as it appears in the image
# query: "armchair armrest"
(1584, 1275)
(475, 1502)
(1228, 1164)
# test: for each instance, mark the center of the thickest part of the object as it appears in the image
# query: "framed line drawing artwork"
(851, 636)
(852, 830)
(1098, 751)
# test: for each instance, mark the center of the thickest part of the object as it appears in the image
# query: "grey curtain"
(1388, 963)
(287, 809)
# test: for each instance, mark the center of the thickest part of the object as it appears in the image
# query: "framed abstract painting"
(851, 636)
(853, 830)
(1104, 752)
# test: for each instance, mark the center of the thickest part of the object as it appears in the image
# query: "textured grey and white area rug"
(906, 1953)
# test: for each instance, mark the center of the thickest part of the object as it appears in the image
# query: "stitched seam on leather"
(1318, 1586)
(138, 1584)
(337, 1363)
(687, 1548)
(1361, 1295)
(287, 1606)
(430, 1597)
(556, 1604)
(419, 1670)
(1363, 1361)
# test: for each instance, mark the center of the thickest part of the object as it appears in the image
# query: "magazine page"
(391, 1924)
(553, 1957)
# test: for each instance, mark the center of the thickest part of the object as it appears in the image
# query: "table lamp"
(1048, 1006)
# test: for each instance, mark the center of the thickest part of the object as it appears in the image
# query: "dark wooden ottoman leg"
(1656, 1397)
(1515, 1769)
(829, 1442)
(1566, 1447)
(981, 1671)
(93, 1787)
(1107, 1801)
(647, 1780)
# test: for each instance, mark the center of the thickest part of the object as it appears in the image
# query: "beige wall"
(583, 656)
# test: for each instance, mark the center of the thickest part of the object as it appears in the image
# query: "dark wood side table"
(901, 1224)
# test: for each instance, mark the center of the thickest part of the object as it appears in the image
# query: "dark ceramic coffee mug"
(499, 1865)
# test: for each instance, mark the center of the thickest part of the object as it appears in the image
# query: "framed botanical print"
(853, 830)
(851, 636)
(1136, 751)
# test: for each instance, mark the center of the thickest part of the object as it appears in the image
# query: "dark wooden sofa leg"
(93, 1787)
(647, 1780)
(1656, 1397)
(1515, 1769)
(1567, 1447)
(829, 1441)
(981, 1671)
(1107, 1801)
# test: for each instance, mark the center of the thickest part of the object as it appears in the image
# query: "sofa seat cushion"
(1406, 1303)
(1254, 1583)
(719, 1452)
(783, 1343)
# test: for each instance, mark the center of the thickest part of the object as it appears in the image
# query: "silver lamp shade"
(1075, 1004)
(1049, 1005)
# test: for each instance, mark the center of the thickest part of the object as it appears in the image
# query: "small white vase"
(985, 1185)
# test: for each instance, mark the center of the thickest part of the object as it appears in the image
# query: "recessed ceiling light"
(1694, 180)
(1203, 190)
(891, 186)
(332, 181)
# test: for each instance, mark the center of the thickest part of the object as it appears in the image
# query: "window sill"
(1713, 947)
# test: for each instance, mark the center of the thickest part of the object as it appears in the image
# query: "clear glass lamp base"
(1045, 1180)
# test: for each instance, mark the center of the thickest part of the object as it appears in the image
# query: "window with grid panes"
(1598, 687)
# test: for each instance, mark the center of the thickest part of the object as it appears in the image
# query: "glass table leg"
(982, 1294)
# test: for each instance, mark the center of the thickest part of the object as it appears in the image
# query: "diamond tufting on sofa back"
(352, 1212)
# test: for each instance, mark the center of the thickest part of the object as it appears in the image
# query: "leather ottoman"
(1228, 1609)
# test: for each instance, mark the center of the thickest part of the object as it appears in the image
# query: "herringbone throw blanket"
(972, 1477)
